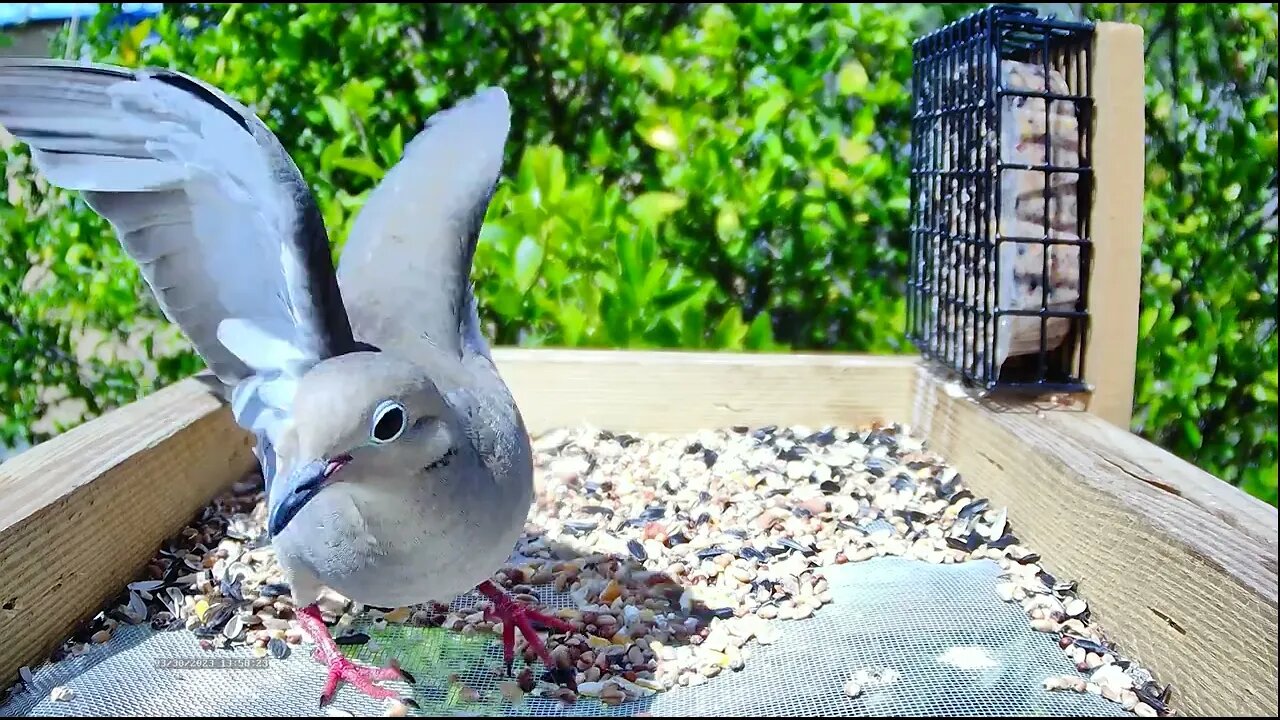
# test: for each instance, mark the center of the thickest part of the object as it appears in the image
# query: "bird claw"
(343, 668)
(363, 678)
(515, 615)
(409, 678)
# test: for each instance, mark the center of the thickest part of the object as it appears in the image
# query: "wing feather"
(203, 197)
(405, 268)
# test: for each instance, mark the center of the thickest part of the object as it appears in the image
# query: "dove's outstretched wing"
(207, 202)
(406, 266)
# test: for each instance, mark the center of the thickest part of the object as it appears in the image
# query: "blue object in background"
(15, 14)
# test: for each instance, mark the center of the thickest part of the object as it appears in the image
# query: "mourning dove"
(397, 465)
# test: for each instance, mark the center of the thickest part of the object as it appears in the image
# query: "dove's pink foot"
(343, 668)
(514, 615)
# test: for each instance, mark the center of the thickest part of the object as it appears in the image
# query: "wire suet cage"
(1000, 196)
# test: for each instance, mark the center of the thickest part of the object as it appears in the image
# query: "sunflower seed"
(278, 648)
(176, 601)
(146, 585)
(233, 628)
(637, 550)
(137, 606)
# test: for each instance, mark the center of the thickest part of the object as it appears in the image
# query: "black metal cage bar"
(1000, 199)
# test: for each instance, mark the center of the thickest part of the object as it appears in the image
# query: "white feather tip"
(484, 117)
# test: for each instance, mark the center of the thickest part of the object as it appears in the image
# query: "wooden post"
(1117, 153)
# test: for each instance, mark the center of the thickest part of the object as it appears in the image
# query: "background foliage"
(689, 175)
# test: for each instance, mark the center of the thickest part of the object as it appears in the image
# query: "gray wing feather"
(204, 198)
(405, 269)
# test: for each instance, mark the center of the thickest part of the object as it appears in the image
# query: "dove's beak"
(305, 483)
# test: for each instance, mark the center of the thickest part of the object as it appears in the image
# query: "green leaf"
(339, 118)
(653, 207)
(659, 72)
(728, 223)
(496, 234)
(1193, 434)
(600, 150)
(362, 165)
(1147, 321)
(768, 111)
(357, 96)
(661, 137)
(527, 261)
(632, 272)
(572, 323)
(553, 181)
(668, 299)
(331, 154)
(393, 146)
(759, 335)
(852, 79)
(693, 328)
(730, 331)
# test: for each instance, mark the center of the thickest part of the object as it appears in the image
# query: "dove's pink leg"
(343, 668)
(514, 615)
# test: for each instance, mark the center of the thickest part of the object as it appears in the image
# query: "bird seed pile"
(677, 560)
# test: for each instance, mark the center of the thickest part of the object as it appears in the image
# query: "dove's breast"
(412, 539)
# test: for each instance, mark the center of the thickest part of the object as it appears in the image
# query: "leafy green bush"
(679, 175)
(1206, 378)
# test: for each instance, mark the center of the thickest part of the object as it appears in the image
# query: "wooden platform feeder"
(1179, 566)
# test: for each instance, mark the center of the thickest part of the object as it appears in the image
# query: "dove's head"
(365, 417)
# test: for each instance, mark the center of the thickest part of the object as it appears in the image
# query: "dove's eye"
(388, 422)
